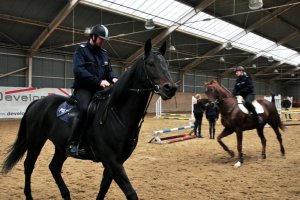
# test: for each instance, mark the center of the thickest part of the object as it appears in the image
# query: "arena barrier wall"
(15, 100)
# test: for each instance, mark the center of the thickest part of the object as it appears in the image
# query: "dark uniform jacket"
(91, 66)
(243, 86)
(212, 112)
(199, 107)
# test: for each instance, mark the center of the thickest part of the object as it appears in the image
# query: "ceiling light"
(87, 31)
(222, 59)
(228, 46)
(270, 59)
(275, 71)
(172, 48)
(253, 65)
(255, 4)
(149, 24)
(292, 75)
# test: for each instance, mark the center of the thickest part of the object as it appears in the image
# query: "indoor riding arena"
(163, 55)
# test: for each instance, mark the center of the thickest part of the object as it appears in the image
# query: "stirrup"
(260, 120)
(74, 150)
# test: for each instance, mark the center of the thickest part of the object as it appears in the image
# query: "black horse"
(112, 141)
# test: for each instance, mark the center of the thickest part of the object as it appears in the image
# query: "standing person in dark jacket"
(199, 108)
(244, 87)
(212, 115)
(92, 73)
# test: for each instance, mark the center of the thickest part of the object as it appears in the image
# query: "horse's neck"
(126, 99)
(227, 105)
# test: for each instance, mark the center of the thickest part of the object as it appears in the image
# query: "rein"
(153, 89)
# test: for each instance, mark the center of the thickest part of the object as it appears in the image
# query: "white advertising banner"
(14, 100)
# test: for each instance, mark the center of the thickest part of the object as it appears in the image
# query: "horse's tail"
(273, 98)
(17, 150)
(278, 121)
(281, 125)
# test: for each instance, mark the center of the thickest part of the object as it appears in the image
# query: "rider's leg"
(78, 128)
(195, 124)
(199, 125)
(251, 108)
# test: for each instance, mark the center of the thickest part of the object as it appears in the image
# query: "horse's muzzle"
(167, 91)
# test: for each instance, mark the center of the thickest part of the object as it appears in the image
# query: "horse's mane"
(121, 86)
(220, 87)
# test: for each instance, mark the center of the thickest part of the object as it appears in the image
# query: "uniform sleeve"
(81, 72)
(110, 73)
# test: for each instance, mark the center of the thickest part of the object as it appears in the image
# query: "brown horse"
(234, 120)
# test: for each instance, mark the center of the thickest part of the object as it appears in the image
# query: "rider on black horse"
(244, 87)
(92, 73)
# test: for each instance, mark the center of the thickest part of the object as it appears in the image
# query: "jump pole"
(172, 138)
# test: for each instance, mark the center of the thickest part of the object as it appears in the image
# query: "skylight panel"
(296, 60)
(254, 43)
(168, 12)
(282, 52)
(143, 7)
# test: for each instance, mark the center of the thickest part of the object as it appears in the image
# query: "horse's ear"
(163, 48)
(148, 47)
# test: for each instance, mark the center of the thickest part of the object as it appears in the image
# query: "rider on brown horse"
(244, 87)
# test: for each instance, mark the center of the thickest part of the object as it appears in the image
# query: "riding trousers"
(248, 103)
(83, 97)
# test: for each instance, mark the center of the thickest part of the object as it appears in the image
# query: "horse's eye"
(151, 64)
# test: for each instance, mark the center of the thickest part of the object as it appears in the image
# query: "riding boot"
(210, 133)
(258, 118)
(74, 141)
(195, 131)
(214, 131)
(199, 132)
(255, 116)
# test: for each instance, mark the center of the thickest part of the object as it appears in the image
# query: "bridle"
(220, 101)
(154, 88)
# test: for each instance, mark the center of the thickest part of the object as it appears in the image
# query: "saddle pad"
(259, 109)
(63, 111)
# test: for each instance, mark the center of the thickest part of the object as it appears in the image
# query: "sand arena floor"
(193, 169)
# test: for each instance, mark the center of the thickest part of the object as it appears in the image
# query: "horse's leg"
(105, 184)
(118, 173)
(260, 132)
(279, 138)
(32, 154)
(225, 132)
(55, 167)
(239, 137)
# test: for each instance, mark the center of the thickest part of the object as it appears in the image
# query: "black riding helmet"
(100, 31)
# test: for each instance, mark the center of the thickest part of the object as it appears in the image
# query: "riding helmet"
(240, 68)
(100, 31)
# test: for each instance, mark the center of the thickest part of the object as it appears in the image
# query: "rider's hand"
(104, 83)
(114, 80)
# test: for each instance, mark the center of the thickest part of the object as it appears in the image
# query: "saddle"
(68, 109)
(259, 109)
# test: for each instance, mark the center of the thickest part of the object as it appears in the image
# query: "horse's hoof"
(263, 156)
(237, 164)
(231, 153)
(283, 157)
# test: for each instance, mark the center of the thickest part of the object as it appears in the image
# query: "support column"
(29, 71)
